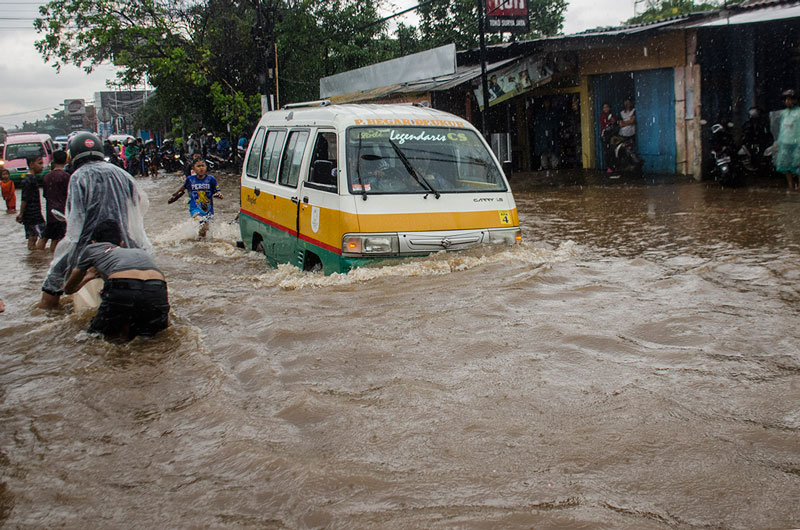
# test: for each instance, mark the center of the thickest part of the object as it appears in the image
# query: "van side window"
(292, 158)
(323, 162)
(272, 155)
(254, 156)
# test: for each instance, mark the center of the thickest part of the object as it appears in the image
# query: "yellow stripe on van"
(281, 213)
(422, 222)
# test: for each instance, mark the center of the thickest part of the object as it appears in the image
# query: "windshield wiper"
(411, 171)
(358, 169)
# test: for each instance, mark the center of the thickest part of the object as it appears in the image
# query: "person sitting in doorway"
(627, 123)
(608, 129)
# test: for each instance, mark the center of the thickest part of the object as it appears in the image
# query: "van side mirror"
(322, 173)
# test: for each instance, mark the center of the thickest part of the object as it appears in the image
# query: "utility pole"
(484, 77)
(265, 38)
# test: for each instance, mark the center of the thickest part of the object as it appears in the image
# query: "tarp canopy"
(463, 74)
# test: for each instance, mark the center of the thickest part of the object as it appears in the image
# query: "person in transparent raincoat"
(787, 160)
(97, 191)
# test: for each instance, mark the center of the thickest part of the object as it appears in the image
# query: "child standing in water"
(7, 185)
(30, 210)
(202, 190)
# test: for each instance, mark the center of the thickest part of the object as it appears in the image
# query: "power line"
(29, 112)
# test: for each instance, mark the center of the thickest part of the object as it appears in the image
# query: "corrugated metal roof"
(749, 11)
(772, 12)
(760, 3)
(626, 30)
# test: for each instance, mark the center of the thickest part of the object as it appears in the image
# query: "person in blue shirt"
(202, 189)
(223, 148)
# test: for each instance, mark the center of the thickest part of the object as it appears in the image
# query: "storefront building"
(546, 95)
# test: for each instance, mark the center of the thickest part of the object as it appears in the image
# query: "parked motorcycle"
(219, 162)
(726, 169)
(625, 159)
(756, 139)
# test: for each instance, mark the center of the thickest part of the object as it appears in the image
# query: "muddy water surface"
(634, 364)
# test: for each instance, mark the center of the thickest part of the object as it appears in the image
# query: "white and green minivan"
(339, 186)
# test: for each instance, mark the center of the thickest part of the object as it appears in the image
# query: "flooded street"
(634, 364)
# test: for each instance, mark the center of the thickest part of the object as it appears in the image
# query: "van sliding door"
(288, 179)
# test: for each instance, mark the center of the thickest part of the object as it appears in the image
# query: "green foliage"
(55, 124)
(456, 21)
(207, 58)
(672, 8)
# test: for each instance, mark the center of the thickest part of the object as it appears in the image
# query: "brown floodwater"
(634, 364)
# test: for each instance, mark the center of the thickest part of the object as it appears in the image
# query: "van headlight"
(370, 244)
(508, 237)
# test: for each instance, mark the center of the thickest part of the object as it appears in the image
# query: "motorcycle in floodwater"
(171, 161)
(114, 159)
(151, 164)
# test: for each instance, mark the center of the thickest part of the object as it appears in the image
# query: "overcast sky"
(31, 89)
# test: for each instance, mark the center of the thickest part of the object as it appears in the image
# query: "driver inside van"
(430, 171)
(377, 175)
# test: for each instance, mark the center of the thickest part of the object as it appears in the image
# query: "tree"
(203, 57)
(207, 58)
(443, 22)
(317, 39)
(55, 124)
(672, 8)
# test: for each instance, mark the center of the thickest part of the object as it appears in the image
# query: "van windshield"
(16, 151)
(400, 159)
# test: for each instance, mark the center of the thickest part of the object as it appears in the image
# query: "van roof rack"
(316, 103)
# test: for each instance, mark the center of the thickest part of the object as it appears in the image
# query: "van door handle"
(257, 192)
(294, 200)
(305, 200)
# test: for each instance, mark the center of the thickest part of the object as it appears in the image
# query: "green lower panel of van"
(281, 246)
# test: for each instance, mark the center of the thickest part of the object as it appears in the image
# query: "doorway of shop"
(555, 133)
(653, 93)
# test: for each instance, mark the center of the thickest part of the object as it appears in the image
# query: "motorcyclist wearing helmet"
(193, 145)
(98, 191)
(167, 148)
(149, 162)
(111, 154)
(209, 145)
(132, 156)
